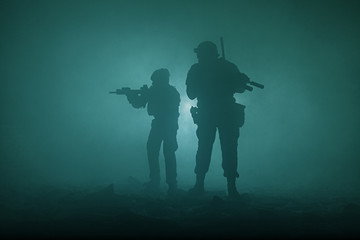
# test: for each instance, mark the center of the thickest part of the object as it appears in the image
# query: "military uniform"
(163, 102)
(213, 83)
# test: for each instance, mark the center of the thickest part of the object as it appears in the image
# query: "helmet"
(207, 49)
(160, 75)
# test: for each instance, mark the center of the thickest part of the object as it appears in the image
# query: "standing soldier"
(163, 102)
(213, 82)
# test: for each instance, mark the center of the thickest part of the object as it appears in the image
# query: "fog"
(59, 59)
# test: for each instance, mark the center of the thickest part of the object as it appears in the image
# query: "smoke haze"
(59, 60)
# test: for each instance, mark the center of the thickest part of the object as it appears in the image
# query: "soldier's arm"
(137, 100)
(191, 86)
(178, 98)
(241, 79)
(152, 104)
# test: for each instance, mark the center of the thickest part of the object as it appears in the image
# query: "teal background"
(59, 60)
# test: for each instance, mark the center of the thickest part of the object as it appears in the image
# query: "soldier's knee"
(169, 152)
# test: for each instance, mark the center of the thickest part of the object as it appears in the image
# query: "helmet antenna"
(222, 47)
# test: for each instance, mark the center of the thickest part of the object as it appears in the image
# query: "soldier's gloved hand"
(242, 83)
(144, 91)
(131, 97)
(244, 77)
(144, 88)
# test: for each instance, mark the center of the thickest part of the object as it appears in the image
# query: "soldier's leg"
(229, 141)
(206, 136)
(169, 148)
(153, 149)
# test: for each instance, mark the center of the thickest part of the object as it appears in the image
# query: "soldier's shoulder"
(194, 67)
(151, 89)
(173, 88)
(226, 62)
(173, 92)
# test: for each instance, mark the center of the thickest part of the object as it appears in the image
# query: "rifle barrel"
(222, 47)
(248, 88)
(259, 85)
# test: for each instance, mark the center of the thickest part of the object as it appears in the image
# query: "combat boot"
(172, 190)
(152, 186)
(198, 189)
(231, 186)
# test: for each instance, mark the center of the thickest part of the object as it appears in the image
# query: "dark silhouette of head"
(206, 52)
(160, 77)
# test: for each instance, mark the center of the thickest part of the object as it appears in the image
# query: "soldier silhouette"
(213, 81)
(163, 102)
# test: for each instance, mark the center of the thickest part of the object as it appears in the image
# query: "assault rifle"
(136, 97)
(128, 91)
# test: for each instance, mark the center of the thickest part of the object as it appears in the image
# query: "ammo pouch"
(239, 111)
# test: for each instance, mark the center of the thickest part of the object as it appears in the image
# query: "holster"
(195, 114)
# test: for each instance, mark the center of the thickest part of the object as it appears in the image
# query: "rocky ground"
(116, 212)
